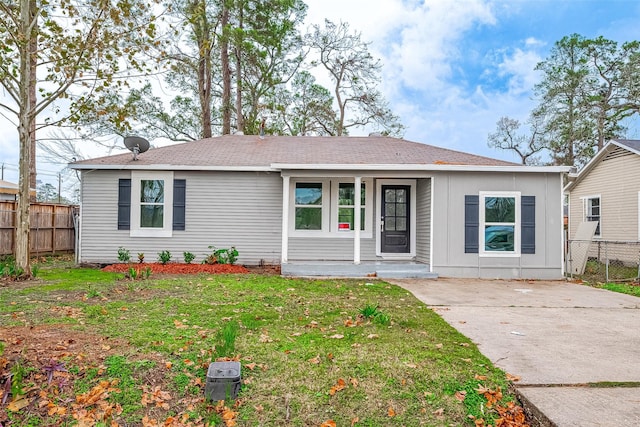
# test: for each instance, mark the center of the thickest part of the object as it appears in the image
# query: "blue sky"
(452, 68)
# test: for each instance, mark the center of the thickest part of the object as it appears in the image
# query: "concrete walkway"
(567, 342)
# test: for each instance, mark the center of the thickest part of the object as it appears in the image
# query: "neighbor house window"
(592, 211)
(152, 204)
(500, 223)
(308, 205)
(346, 206)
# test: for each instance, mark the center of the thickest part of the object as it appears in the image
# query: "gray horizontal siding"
(329, 249)
(423, 220)
(449, 258)
(241, 209)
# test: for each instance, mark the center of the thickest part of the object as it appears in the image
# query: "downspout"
(285, 220)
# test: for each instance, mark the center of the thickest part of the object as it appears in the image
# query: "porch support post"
(357, 220)
(285, 220)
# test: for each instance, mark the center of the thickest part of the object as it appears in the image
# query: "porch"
(379, 269)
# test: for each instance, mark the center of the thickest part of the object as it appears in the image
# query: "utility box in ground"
(223, 381)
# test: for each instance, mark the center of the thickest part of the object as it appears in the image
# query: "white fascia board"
(421, 167)
(174, 168)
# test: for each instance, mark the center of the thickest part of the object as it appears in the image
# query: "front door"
(395, 219)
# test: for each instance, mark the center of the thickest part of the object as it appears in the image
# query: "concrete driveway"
(567, 342)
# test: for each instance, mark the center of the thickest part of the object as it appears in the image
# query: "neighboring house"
(8, 191)
(607, 190)
(327, 206)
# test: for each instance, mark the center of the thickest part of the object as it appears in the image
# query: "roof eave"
(423, 167)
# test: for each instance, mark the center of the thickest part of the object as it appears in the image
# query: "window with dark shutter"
(528, 224)
(179, 203)
(124, 204)
(471, 224)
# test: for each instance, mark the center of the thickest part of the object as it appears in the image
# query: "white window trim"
(167, 229)
(585, 202)
(518, 224)
(412, 209)
(329, 208)
(368, 197)
(638, 215)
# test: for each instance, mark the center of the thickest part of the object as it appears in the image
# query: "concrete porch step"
(385, 270)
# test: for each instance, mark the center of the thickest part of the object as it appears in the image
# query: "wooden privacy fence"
(52, 228)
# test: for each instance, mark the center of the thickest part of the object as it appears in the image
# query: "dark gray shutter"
(471, 224)
(124, 204)
(528, 224)
(179, 199)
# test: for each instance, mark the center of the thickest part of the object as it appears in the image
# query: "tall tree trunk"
(204, 69)
(25, 119)
(238, 50)
(226, 72)
(33, 50)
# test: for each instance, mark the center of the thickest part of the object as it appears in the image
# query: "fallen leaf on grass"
(315, 360)
(16, 405)
(354, 420)
(373, 336)
(264, 338)
(438, 412)
(354, 382)
(439, 346)
(391, 412)
(461, 395)
(250, 366)
(480, 377)
(179, 325)
(328, 423)
(337, 336)
(340, 385)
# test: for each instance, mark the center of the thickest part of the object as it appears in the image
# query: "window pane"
(401, 195)
(152, 216)
(308, 218)
(362, 218)
(346, 194)
(390, 209)
(389, 195)
(401, 209)
(346, 215)
(308, 193)
(401, 224)
(500, 209)
(152, 191)
(390, 224)
(499, 238)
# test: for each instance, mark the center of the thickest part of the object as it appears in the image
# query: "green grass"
(622, 288)
(291, 336)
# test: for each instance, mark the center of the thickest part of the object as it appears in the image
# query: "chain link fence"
(603, 260)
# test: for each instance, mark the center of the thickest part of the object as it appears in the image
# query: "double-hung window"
(308, 205)
(346, 206)
(592, 211)
(151, 204)
(500, 223)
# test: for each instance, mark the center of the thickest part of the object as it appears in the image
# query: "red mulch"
(176, 268)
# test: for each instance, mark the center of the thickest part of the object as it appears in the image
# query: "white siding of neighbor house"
(616, 178)
(224, 209)
(423, 220)
(449, 257)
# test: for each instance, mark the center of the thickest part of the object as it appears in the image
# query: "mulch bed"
(177, 268)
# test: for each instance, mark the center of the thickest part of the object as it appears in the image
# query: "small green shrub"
(35, 270)
(140, 257)
(222, 256)
(9, 268)
(188, 257)
(371, 312)
(164, 257)
(123, 254)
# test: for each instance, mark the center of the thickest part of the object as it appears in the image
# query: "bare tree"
(355, 75)
(526, 146)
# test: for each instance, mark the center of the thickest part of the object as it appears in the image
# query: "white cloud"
(519, 67)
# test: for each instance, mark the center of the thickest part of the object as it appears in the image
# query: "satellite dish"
(136, 144)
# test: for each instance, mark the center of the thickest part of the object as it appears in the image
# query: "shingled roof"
(251, 151)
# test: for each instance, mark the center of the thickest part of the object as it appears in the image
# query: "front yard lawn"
(86, 347)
